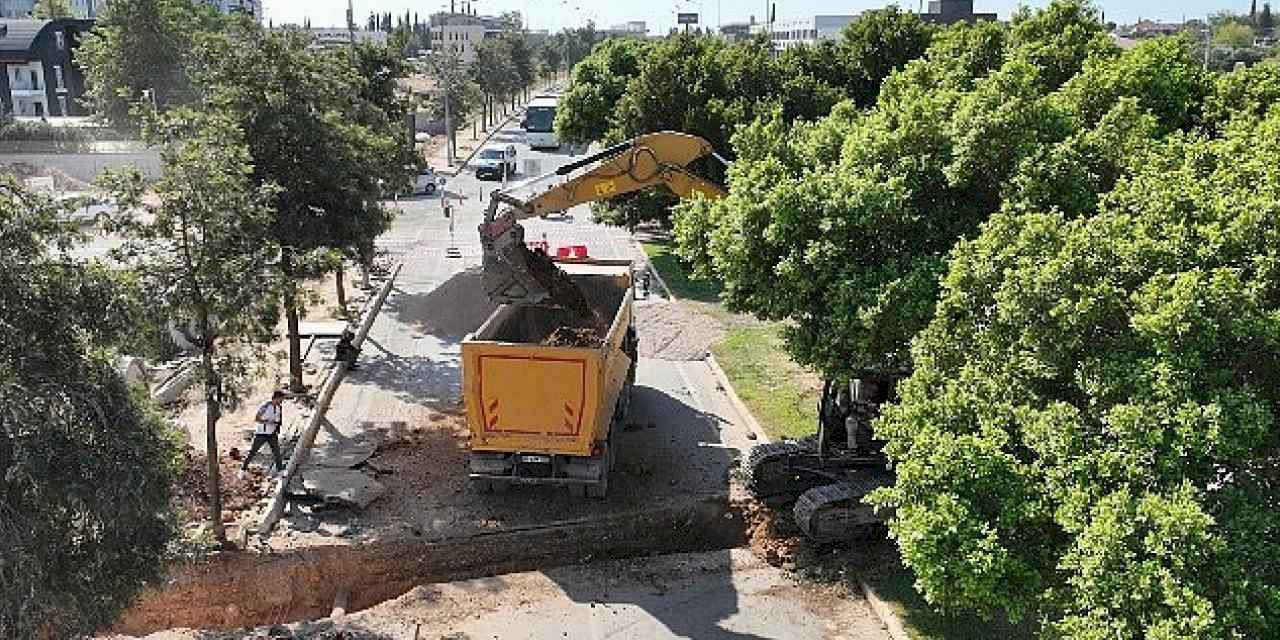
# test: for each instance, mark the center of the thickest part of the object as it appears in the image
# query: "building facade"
(807, 32)
(457, 34)
(335, 37)
(952, 11)
(40, 77)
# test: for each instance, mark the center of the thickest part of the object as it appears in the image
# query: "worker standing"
(269, 417)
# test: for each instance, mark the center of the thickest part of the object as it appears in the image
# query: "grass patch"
(663, 256)
(894, 584)
(782, 395)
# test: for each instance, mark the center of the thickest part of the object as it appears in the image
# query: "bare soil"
(238, 493)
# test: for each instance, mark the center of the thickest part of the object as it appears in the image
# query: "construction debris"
(342, 487)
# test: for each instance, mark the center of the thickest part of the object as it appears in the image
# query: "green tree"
(550, 58)
(86, 469)
(200, 247)
(1236, 35)
(331, 153)
(876, 44)
(1265, 20)
(493, 73)
(1059, 39)
(141, 51)
(1089, 436)
(52, 9)
(598, 82)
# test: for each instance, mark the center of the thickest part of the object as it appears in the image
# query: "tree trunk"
(341, 289)
(484, 113)
(291, 319)
(212, 411)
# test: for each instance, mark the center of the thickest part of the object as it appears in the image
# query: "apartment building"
(38, 73)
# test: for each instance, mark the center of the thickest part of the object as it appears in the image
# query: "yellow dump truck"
(543, 414)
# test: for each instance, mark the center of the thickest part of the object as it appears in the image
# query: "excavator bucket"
(510, 276)
(515, 274)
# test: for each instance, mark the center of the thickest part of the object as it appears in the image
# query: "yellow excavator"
(547, 377)
(515, 274)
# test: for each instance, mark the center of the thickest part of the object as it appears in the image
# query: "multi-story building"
(952, 11)
(457, 34)
(809, 31)
(39, 73)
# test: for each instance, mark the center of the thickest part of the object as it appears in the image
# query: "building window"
(35, 80)
(62, 105)
(57, 74)
(60, 39)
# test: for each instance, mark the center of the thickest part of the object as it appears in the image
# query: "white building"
(457, 34)
(809, 31)
(338, 37)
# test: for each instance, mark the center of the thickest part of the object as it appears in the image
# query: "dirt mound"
(771, 535)
(674, 331)
(452, 310)
(238, 494)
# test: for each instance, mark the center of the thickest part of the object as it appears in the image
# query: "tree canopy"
(1072, 250)
(85, 467)
(139, 46)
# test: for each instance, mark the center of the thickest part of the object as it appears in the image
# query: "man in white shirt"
(269, 417)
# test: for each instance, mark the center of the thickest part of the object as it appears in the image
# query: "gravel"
(673, 331)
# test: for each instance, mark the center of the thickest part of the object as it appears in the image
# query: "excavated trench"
(242, 589)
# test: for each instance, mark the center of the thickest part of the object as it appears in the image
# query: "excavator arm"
(514, 274)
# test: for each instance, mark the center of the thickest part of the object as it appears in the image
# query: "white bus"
(539, 123)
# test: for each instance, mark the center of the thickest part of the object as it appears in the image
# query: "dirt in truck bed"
(561, 326)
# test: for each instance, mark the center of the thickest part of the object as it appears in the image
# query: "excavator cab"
(516, 274)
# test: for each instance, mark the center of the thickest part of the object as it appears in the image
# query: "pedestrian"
(346, 351)
(269, 417)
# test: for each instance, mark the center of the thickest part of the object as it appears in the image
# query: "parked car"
(426, 181)
(494, 160)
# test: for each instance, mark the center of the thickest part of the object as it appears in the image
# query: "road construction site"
(383, 504)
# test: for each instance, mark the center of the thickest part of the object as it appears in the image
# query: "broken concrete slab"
(342, 486)
(343, 453)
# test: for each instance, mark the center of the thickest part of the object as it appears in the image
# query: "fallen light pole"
(303, 448)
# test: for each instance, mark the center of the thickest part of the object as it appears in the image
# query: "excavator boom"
(514, 274)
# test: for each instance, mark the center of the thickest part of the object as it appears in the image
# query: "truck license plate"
(536, 459)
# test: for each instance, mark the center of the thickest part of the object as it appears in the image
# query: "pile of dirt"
(452, 310)
(238, 493)
(771, 535)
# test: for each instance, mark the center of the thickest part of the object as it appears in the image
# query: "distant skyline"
(661, 16)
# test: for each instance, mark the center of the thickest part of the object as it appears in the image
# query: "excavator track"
(769, 475)
(834, 513)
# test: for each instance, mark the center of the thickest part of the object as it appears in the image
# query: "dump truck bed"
(528, 397)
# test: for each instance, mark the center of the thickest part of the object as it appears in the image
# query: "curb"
(738, 404)
(884, 612)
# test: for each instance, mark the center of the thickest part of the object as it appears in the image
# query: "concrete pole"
(303, 448)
